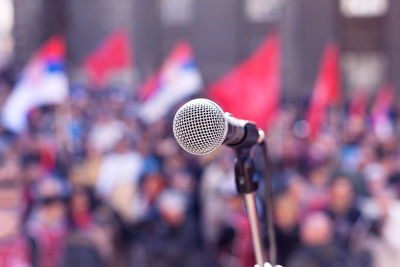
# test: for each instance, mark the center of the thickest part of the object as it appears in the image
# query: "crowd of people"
(90, 184)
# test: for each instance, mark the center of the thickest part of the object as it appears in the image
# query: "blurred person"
(81, 204)
(290, 153)
(41, 120)
(376, 178)
(218, 178)
(318, 248)
(166, 148)
(11, 184)
(81, 251)
(31, 168)
(184, 182)
(101, 243)
(354, 130)
(296, 190)
(327, 145)
(367, 154)
(286, 215)
(159, 130)
(145, 203)
(281, 141)
(351, 227)
(70, 127)
(342, 209)
(39, 152)
(239, 251)
(62, 159)
(394, 178)
(385, 247)
(174, 162)
(169, 239)
(119, 177)
(351, 151)
(16, 248)
(146, 149)
(317, 189)
(106, 131)
(91, 166)
(31, 171)
(47, 223)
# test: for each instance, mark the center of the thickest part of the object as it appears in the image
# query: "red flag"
(251, 90)
(113, 54)
(326, 91)
(54, 47)
(359, 103)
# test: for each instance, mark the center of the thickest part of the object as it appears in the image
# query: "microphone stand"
(247, 185)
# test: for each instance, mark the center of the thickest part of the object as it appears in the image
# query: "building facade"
(225, 32)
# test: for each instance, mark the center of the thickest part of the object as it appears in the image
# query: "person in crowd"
(317, 189)
(385, 247)
(16, 248)
(80, 206)
(343, 210)
(89, 168)
(171, 235)
(102, 243)
(47, 223)
(286, 215)
(217, 178)
(119, 175)
(82, 241)
(234, 244)
(145, 205)
(106, 131)
(350, 225)
(318, 248)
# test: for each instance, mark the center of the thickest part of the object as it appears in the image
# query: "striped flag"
(43, 82)
(380, 113)
(177, 79)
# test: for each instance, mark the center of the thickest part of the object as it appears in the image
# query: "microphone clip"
(252, 136)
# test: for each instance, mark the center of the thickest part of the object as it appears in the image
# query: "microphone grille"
(200, 126)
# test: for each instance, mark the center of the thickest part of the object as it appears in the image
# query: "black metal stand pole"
(247, 186)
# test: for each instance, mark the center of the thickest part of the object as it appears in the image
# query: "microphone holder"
(247, 184)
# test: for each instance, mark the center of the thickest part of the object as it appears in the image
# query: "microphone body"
(236, 130)
(200, 126)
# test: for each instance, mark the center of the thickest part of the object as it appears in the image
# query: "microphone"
(200, 126)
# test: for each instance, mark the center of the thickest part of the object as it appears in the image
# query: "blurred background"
(91, 175)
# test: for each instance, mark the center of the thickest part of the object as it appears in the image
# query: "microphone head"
(200, 126)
